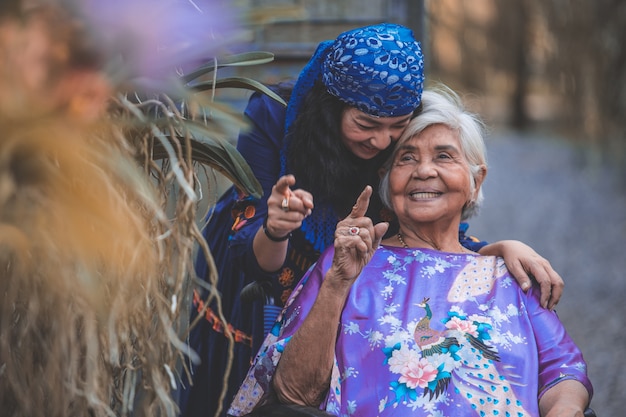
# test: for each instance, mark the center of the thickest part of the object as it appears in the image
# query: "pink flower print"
(418, 374)
(463, 326)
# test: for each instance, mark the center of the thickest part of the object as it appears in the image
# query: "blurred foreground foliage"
(103, 180)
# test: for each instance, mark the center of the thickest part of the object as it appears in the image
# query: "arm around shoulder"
(524, 263)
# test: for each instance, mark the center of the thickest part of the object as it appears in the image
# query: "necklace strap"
(402, 242)
(404, 245)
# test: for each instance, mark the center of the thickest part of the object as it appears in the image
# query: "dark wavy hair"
(320, 161)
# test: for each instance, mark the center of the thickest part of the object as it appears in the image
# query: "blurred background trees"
(553, 65)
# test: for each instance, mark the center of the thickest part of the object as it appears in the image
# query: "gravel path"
(536, 191)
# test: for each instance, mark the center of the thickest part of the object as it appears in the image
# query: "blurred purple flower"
(153, 37)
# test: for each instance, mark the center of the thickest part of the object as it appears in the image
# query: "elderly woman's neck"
(445, 240)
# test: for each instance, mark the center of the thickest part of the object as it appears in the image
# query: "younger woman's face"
(366, 136)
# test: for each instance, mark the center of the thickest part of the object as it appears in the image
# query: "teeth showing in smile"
(425, 195)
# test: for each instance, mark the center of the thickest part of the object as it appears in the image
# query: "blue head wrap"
(379, 70)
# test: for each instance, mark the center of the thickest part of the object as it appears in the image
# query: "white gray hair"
(443, 106)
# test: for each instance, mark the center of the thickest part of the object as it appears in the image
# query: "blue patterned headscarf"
(379, 70)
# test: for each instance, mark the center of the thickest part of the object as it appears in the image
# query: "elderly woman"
(417, 324)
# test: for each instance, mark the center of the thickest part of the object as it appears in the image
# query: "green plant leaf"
(239, 82)
(243, 59)
(208, 150)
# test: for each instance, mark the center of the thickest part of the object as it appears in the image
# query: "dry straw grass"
(93, 267)
(83, 316)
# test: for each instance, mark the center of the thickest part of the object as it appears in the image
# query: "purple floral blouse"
(427, 333)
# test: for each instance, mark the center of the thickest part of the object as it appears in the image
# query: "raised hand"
(356, 239)
(286, 208)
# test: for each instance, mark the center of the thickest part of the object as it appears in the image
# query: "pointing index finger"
(362, 203)
(283, 184)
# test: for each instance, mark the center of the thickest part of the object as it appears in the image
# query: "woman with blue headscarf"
(350, 103)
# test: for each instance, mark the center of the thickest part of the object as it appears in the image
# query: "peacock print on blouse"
(459, 352)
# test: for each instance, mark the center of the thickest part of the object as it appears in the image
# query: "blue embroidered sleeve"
(260, 147)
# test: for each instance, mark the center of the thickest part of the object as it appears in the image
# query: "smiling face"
(366, 136)
(430, 178)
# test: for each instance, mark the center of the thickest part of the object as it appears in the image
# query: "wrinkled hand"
(286, 208)
(524, 263)
(356, 239)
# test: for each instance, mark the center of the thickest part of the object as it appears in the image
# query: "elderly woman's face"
(366, 136)
(430, 177)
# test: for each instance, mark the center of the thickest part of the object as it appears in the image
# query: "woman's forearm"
(286, 209)
(269, 254)
(568, 398)
(523, 262)
(303, 373)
